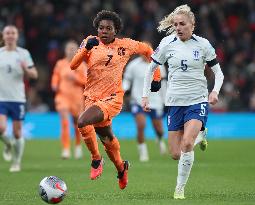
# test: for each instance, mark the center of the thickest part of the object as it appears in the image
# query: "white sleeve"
(209, 51)
(218, 77)
(128, 77)
(159, 55)
(148, 78)
(28, 59)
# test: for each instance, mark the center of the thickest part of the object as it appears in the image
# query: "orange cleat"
(123, 176)
(96, 168)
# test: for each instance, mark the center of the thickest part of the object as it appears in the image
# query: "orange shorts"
(74, 106)
(110, 106)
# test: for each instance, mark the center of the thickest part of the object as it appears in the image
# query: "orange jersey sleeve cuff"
(157, 75)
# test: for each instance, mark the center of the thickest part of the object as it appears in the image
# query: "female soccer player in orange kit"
(106, 57)
(69, 86)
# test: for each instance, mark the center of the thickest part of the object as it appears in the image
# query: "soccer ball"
(52, 189)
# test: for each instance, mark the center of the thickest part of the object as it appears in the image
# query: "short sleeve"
(209, 51)
(159, 55)
(28, 59)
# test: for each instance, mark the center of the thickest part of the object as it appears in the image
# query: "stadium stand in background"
(228, 24)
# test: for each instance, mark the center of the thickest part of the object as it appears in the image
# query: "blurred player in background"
(133, 80)
(187, 93)
(69, 99)
(15, 64)
(106, 57)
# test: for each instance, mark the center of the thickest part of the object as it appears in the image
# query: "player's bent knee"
(105, 139)
(175, 156)
(187, 145)
(85, 131)
(80, 122)
(112, 144)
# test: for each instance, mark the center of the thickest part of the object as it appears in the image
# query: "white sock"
(19, 145)
(199, 138)
(184, 167)
(5, 140)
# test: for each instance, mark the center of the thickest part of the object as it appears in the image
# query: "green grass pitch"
(224, 174)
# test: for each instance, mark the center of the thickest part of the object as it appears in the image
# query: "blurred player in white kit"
(15, 64)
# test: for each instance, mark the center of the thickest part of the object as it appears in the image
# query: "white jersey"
(134, 75)
(186, 84)
(12, 88)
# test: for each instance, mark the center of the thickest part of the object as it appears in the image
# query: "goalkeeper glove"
(155, 86)
(91, 43)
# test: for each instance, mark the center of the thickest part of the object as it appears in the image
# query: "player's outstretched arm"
(78, 58)
(147, 84)
(213, 97)
(82, 53)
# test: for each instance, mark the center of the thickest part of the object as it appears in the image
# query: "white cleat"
(15, 167)
(179, 193)
(78, 152)
(162, 147)
(144, 158)
(66, 154)
(143, 153)
(7, 153)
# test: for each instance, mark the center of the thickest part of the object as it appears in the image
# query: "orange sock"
(65, 138)
(112, 149)
(89, 136)
(77, 135)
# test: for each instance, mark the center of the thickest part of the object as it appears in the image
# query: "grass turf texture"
(224, 174)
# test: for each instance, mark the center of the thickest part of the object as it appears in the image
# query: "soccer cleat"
(179, 193)
(96, 168)
(15, 167)
(162, 147)
(65, 154)
(143, 153)
(204, 144)
(123, 176)
(7, 153)
(78, 152)
(144, 157)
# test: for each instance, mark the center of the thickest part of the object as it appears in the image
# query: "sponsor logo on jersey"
(168, 120)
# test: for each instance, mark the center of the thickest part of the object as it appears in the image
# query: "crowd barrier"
(220, 126)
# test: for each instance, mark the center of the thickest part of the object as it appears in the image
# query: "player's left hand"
(155, 86)
(213, 98)
(145, 104)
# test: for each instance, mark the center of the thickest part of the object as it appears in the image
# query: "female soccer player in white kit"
(15, 63)
(133, 81)
(187, 93)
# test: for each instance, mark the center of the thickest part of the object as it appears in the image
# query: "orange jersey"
(67, 82)
(106, 64)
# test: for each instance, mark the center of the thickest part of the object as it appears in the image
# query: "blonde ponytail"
(167, 23)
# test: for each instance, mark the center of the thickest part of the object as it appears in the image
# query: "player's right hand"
(91, 43)
(213, 98)
(145, 104)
